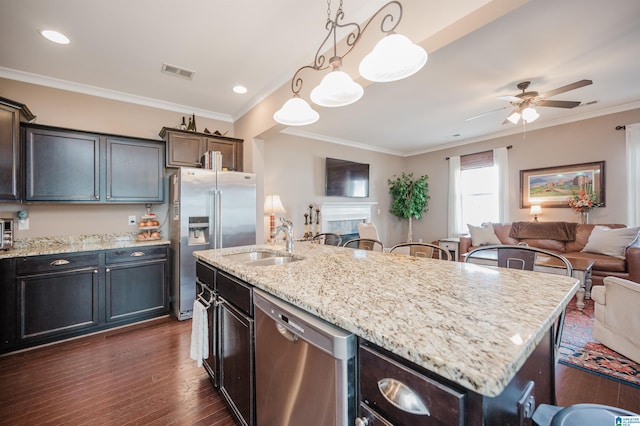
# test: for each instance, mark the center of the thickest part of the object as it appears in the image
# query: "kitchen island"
(471, 325)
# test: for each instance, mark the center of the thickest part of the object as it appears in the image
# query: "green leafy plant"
(410, 197)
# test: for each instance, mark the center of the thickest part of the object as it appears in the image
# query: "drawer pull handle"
(402, 397)
(137, 254)
(59, 262)
(286, 333)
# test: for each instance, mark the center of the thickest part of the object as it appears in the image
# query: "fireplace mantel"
(343, 217)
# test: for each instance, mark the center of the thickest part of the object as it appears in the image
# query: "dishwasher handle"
(289, 335)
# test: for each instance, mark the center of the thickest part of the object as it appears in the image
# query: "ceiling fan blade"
(557, 104)
(485, 113)
(566, 88)
(510, 98)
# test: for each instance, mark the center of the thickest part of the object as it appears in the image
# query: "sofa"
(617, 322)
(569, 240)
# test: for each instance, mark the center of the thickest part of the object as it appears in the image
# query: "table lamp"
(273, 206)
(535, 211)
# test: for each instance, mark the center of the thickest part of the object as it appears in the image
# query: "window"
(478, 190)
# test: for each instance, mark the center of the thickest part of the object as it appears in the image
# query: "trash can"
(578, 415)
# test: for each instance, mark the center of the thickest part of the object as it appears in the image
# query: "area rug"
(579, 349)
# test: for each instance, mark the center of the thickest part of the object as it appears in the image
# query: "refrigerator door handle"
(217, 219)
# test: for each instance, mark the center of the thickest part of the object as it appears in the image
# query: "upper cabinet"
(11, 114)
(63, 165)
(185, 148)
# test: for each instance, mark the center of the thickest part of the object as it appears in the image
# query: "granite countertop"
(75, 244)
(467, 323)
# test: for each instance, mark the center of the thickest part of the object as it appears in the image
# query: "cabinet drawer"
(377, 372)
(448, 245)
(136, 254)
(54, 263)
(205, 274)
(235, 292)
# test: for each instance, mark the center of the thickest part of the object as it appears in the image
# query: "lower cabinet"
(53, 297)
(236, 346)
(57, 295)
(134, 282)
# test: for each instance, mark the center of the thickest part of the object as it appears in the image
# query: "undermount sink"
(275, 260)
(250, 256)
(261, 258)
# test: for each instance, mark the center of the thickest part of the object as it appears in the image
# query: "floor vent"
(177, 71)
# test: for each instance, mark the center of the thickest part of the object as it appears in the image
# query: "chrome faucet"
(287, 227)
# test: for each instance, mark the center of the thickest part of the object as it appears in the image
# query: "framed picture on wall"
(554, 186)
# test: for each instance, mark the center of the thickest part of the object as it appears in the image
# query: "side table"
(452, 245)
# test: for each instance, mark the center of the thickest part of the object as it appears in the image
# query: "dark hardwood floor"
(143, 375)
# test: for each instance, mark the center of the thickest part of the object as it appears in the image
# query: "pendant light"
(394, 57)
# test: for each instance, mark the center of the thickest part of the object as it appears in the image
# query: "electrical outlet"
(527, 403)
(132, 220)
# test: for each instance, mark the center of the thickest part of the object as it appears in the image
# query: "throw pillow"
(483, 235)
(611, 242)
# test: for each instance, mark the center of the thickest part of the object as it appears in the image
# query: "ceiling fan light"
(393, 58)
(514, 117)
(336, 89)
(296, 112)
(530, 115)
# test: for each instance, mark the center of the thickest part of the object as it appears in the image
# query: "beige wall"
(294, 169)
(580, 142)
(83, 112)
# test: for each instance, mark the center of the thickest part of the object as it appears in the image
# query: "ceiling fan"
(524, 102)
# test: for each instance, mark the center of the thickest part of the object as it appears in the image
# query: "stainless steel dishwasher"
(305, 367)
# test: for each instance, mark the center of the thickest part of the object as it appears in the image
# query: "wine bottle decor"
(183, 125)
(194, 123)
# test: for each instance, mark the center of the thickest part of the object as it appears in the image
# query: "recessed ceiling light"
(240, 89)
(55, 36)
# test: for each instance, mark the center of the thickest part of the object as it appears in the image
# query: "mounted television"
(346, 178)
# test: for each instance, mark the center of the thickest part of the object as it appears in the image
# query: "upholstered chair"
(617, 322)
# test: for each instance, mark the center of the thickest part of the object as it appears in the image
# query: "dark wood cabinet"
(136, 283)
(185, 148)
(205, 284)
(57, 295)
(52, 297)
(135, 170)
(11, 114)
(63, 165)
(8, 305)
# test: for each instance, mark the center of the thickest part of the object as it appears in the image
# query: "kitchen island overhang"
(469, 324)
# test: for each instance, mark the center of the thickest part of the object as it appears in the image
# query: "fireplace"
(343, 218)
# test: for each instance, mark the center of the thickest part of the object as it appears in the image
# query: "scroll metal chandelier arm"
(388, 24)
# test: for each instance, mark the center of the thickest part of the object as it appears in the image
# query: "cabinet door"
(184, 150)
(8, 304)
(62, 166)
(231, 152)
(135, 170)
(236, 362)
(9, 153)
(136, 290)
(58, 304)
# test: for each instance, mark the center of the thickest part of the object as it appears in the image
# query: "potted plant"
(410, 197)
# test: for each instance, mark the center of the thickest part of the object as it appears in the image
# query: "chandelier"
(393, 58)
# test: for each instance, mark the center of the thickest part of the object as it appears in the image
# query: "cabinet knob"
(108, 269)
(97, 197)
(95, 271)
(362, 421)
(108, 197)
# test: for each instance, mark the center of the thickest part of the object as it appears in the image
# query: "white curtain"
(501, 161)
(633, 174)
(455, 198)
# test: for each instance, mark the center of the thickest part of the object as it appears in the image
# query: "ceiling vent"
(177, 71)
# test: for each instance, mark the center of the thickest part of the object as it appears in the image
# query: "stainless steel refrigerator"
(208, 210)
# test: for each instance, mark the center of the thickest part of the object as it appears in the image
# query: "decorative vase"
(584, 218)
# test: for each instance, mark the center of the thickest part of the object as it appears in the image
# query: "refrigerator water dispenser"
(198, 230)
